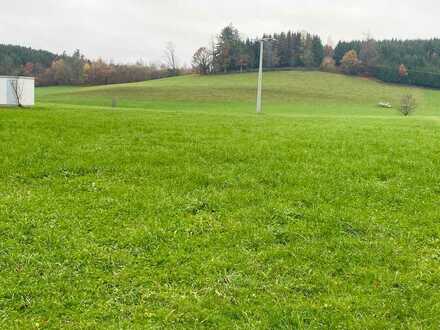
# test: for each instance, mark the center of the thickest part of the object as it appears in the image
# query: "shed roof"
(15, 77)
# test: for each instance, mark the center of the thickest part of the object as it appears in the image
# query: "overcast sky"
(129, 30)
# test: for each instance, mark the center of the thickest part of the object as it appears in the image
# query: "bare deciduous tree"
(17, 89)
(407, 105)
(170, 56)
(202, 60)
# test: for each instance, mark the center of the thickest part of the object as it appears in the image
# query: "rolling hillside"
(182, 208)
(292, 92)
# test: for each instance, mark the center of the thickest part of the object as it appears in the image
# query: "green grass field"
(182, 208)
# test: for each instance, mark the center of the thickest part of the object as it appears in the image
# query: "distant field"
(181, 208)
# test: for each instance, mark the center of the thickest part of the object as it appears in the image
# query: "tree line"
(51, 69)
(13, 59)
(412, 62)
(232, 53)
(422, 55)
(415, 62)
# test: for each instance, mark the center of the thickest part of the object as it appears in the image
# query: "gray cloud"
(133, 29)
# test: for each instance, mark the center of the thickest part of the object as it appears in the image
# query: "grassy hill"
(290, 92)
(182, 208)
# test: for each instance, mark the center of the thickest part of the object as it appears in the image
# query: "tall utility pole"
(260, 74)
(260, 77)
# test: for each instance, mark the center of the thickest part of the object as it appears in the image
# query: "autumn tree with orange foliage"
(403, 71)
(350, 62)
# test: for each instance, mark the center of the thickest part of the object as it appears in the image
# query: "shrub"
(328, 64)
(407, 105)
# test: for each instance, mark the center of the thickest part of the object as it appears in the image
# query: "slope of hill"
(284, 92)
(184, 209)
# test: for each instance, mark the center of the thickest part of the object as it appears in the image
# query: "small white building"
(17, 90)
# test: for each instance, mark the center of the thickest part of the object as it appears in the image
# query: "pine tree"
(227, 49)
(296, 50)
(318, 51)
(369, 54)
(307, 55)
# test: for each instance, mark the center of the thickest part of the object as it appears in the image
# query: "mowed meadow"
(182, 208)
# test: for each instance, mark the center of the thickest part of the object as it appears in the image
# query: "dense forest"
(13, 59)
(51, 69)
(232, 53)
(414, 62)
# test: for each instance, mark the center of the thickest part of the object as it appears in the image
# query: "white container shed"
(17, 90)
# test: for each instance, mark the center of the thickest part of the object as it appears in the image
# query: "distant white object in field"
(385, 105)
(16, 91)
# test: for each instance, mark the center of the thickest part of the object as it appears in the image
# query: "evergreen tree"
(227, 49)
(283, 49)
(369, 55)
(296, 50)
(308, 55)
(317, 50)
